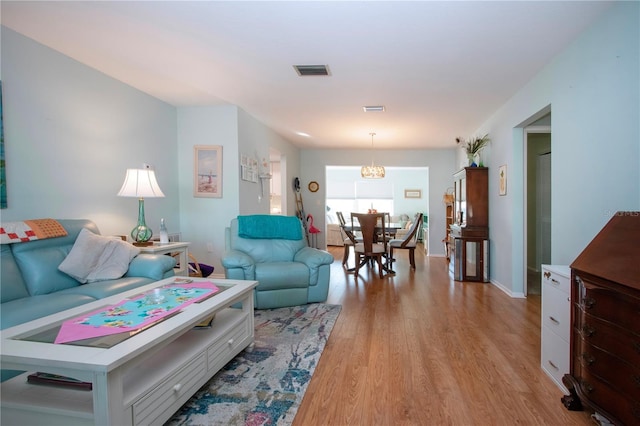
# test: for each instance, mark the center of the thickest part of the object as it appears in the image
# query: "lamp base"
(143, 243)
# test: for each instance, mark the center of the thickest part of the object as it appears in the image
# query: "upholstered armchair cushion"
(289, 271)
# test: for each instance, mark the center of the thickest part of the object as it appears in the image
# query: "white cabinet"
(556, 321)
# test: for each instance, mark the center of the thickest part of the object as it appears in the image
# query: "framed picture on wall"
(412, 193)
(207, 171)
(502, 179)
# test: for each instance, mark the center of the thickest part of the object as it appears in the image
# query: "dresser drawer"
(619, 374)
(557, 276)
(169, 395)
(229, 345)
(616, 404)
(606, 336)
(556, 310)
(554, 358)
(609, 305)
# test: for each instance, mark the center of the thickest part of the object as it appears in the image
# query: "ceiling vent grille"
(311, 70)
(373, 108)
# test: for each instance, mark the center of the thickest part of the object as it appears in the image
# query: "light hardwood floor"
(418, 348)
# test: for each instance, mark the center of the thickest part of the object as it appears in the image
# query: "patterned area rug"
(265, 386)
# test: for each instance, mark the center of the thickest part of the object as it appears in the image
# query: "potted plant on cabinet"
(473, 147)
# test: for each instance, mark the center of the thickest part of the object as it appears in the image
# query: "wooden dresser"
(605, 323)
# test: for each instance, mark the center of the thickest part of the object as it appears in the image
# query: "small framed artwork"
(413, 193)
(207, 172)
(502, 179)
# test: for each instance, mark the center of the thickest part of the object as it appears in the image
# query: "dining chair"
(350, 238)
(409, 242)
(369, 248)
(384, 232)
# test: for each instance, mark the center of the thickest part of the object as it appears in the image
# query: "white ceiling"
(439, 67)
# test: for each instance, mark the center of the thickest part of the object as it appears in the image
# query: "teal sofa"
(288, 271)
(31, 286)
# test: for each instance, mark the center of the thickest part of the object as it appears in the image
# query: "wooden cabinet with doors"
(469, 233)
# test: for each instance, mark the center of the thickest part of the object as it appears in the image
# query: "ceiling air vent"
(306, 70)
(373, 108)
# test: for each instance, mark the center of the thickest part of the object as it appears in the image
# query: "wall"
(70, 134)
(203, 220)
(399, 179)
(256, 139)
(592, 89)
(441, 164)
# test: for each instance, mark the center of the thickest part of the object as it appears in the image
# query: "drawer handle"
(230, 342)
(588, 331)
(589, 359)
(553, 365)
(553, 320)
(589, 302)
(586, 386)
(177, 387)
(553, 280)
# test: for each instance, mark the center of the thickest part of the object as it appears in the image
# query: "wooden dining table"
(389, 228)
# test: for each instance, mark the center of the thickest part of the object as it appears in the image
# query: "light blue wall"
(70, 134)
(441, 164)
(202, 220)
(255, 139)
(593, 91)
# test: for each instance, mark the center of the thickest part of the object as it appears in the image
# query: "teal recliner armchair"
(273, 251)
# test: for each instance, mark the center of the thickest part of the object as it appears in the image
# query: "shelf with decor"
(448, 199)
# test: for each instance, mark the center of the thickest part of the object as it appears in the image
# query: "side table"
(180, 249)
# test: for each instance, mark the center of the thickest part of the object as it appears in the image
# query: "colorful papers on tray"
(136, 313)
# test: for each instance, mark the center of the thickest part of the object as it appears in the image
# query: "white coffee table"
(142, 380)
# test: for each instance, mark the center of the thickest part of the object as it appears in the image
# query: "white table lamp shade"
(140, 183)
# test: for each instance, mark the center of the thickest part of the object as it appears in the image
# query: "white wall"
(441, 164)
(70, 134)
(593, 91)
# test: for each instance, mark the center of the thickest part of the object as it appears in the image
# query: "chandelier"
(372, 171)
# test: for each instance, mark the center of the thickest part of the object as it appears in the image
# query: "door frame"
(527, 131)
(517, 177)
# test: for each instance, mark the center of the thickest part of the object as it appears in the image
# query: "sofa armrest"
(238, 265)
(314, 259)
(154, 266)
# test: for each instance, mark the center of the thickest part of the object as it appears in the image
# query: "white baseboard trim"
(518, 295)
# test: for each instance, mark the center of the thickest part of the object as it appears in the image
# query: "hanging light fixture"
(372, 171)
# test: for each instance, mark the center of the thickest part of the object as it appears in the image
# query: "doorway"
(538, 204)
(277, 195)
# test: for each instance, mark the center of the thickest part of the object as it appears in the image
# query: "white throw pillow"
(97, 258)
